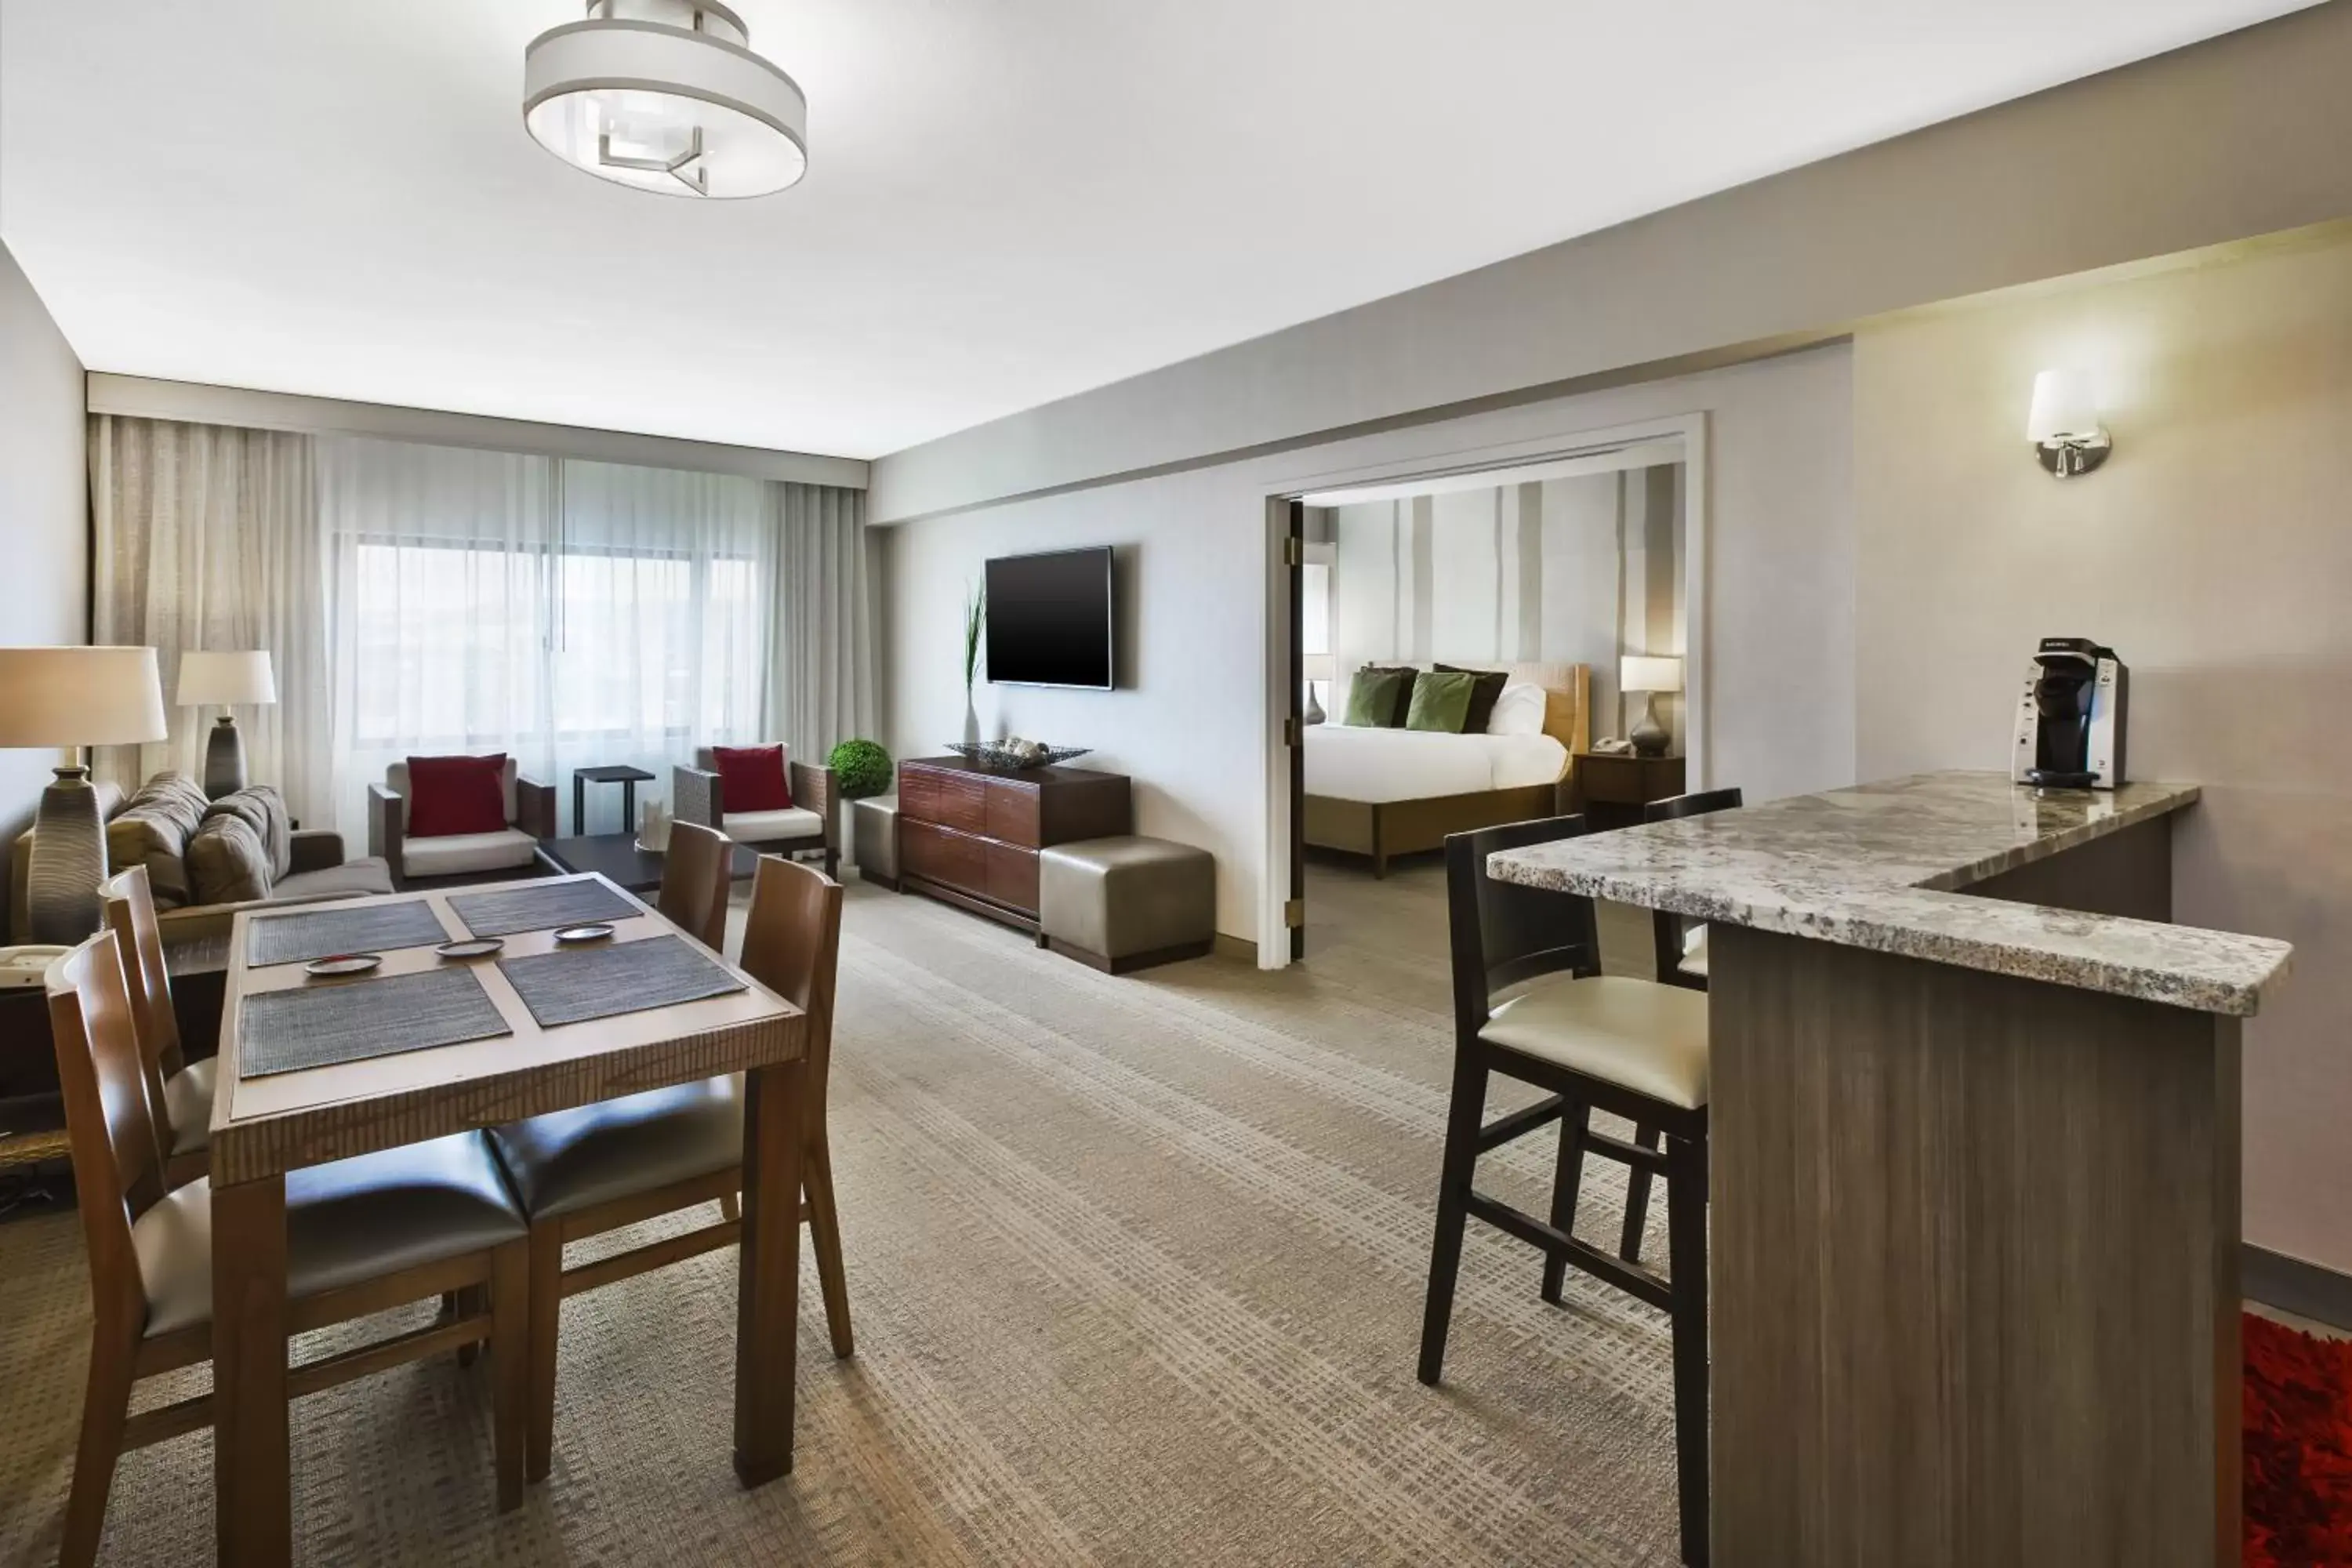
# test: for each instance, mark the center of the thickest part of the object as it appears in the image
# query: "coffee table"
(617, 858)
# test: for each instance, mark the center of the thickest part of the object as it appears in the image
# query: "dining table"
(273, 1114)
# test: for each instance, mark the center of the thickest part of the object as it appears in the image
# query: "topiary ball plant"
(862, 767)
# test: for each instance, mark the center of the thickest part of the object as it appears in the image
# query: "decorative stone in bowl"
(1013, 754)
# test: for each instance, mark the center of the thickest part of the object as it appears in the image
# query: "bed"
(1378, 793)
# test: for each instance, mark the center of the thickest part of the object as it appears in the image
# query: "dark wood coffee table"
(615, 855)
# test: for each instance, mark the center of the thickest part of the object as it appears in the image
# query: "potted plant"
(860, 769)
(975, 622)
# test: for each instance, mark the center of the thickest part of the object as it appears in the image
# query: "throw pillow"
(1372, 698)
(1406, 674)
(1519, 711)
(263, 811)
(1441, 701)
(751, 778)
(1486, 686)
(227, 863)
(450, 795)
(151, 831)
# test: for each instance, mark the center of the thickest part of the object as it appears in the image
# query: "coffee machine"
(2070, 719)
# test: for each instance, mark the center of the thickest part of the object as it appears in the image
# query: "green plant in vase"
(975, 625)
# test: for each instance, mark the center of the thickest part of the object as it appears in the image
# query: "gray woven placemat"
(319, 1024)
(572, 986)
(511, 910)
(325, 932)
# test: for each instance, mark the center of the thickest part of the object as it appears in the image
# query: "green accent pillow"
(1441, 701)
(1372, 698)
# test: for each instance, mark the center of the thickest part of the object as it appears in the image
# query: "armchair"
(530, 817)
(811, 823)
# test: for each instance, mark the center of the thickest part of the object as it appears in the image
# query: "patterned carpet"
(1136, 1268)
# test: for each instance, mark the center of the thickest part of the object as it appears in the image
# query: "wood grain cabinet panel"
(1013, 875)
(941, 855)
(972, 837)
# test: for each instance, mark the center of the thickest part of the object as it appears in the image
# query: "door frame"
(1283, 697)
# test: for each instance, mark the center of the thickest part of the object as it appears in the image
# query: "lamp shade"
(206, 679)
(2064, 405)
(1320, 667)
(79, 696)
(1643, 672)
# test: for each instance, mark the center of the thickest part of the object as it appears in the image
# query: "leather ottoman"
(1126, 903)
(874, 839)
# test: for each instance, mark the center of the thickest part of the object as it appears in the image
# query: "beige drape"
(820, 668)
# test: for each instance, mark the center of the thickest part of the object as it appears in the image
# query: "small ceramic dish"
(571, 934)
(474, 947)
(343, 963)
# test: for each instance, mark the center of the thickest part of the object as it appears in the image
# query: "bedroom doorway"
(1508, 597)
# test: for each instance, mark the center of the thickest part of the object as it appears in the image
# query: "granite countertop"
(1877, 866)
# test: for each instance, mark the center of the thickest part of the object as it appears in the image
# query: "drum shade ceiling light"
(666, 96)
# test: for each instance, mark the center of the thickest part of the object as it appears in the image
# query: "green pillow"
(1372, 698)
(1441, 701)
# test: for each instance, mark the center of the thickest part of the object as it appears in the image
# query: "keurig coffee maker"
(2069, 721)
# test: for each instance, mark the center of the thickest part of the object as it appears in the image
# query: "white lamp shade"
(2064, 405)
(79, 696)
(1643, 672)
(207, 679)
(1320, 667)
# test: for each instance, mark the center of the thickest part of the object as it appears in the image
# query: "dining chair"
(693, 883)
(584, 1172)
(1530, 1003)
(361, 1235)
(180, 1091)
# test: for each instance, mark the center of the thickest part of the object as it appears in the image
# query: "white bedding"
(1344, 762)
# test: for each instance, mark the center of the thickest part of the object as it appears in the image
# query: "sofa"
(511, 850)
(809, 823)
(154, 825)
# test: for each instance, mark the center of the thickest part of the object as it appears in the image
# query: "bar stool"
(1530, 1003)
(1682, 949)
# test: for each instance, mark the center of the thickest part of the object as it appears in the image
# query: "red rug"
(2298, 1450)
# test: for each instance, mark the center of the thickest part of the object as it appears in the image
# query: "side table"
(628, 778)
(1615, 786)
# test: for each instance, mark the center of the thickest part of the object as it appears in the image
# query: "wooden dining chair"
(693, 883)
(584, 1172)
(361, 1235)
(180, 1091)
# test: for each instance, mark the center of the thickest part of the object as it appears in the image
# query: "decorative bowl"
(1011, 756)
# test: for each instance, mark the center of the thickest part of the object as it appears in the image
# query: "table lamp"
(1317, 667)
(206, 679)
(73, 697)
(1650, 675)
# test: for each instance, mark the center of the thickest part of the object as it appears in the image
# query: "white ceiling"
(1008, 200)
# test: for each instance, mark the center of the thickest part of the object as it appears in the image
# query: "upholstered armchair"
(529, 810)
(812, 821)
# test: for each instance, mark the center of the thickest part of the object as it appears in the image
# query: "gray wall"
(44, 511)
(2238, 136)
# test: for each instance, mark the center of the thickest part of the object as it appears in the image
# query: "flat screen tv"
(1049, 619)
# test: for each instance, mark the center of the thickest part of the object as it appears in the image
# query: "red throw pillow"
(751, 778)
(450, 796)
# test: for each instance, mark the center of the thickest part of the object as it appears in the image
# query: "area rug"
(2298, 1448)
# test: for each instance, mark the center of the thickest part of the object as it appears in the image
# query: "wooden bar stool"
(1530, 1003)
(361, 1235)
(181, 1092)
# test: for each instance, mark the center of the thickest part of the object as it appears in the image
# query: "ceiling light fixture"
(666, 96)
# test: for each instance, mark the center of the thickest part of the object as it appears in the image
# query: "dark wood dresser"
(970, 836)
(1612, 789)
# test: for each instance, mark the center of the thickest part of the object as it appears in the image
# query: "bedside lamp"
(1641, 672)
(73, 697)
(206, 679)
(1317, 667)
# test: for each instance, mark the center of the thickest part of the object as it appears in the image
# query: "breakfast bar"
(1974, 1117)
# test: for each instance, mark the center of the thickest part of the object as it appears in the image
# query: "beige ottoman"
(1126, 903)
(874, 839)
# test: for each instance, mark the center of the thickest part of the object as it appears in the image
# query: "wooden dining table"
(265, 1126)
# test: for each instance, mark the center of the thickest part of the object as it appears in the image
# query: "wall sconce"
(2064, 424)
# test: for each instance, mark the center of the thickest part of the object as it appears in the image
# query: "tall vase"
(970, 720)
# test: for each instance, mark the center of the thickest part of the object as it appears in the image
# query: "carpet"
(1135, 1267)
(2298, 1448)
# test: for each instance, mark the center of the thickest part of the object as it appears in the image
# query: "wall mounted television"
(1049, 619)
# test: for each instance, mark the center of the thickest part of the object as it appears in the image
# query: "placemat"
(510, 910)
(319, 1024)
(325, 932)
(613, 978)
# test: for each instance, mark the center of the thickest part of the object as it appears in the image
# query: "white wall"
(2214, 552)
(44, 511)
(1190, 722)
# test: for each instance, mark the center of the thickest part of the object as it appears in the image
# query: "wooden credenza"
(969, 837)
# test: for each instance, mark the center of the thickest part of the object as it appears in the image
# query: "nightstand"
(1610, 789)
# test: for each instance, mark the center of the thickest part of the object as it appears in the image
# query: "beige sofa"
(314, 869)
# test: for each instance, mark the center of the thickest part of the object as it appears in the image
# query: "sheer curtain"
(822, 691)
(571, 614)
(206, 536)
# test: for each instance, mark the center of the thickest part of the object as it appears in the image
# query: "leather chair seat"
(188, 1104)
(772, 826)
(1637, 1034)
(574, 1160)
(1695, 951)
(346, 1223)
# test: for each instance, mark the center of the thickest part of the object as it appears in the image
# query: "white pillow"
(1519, 710)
